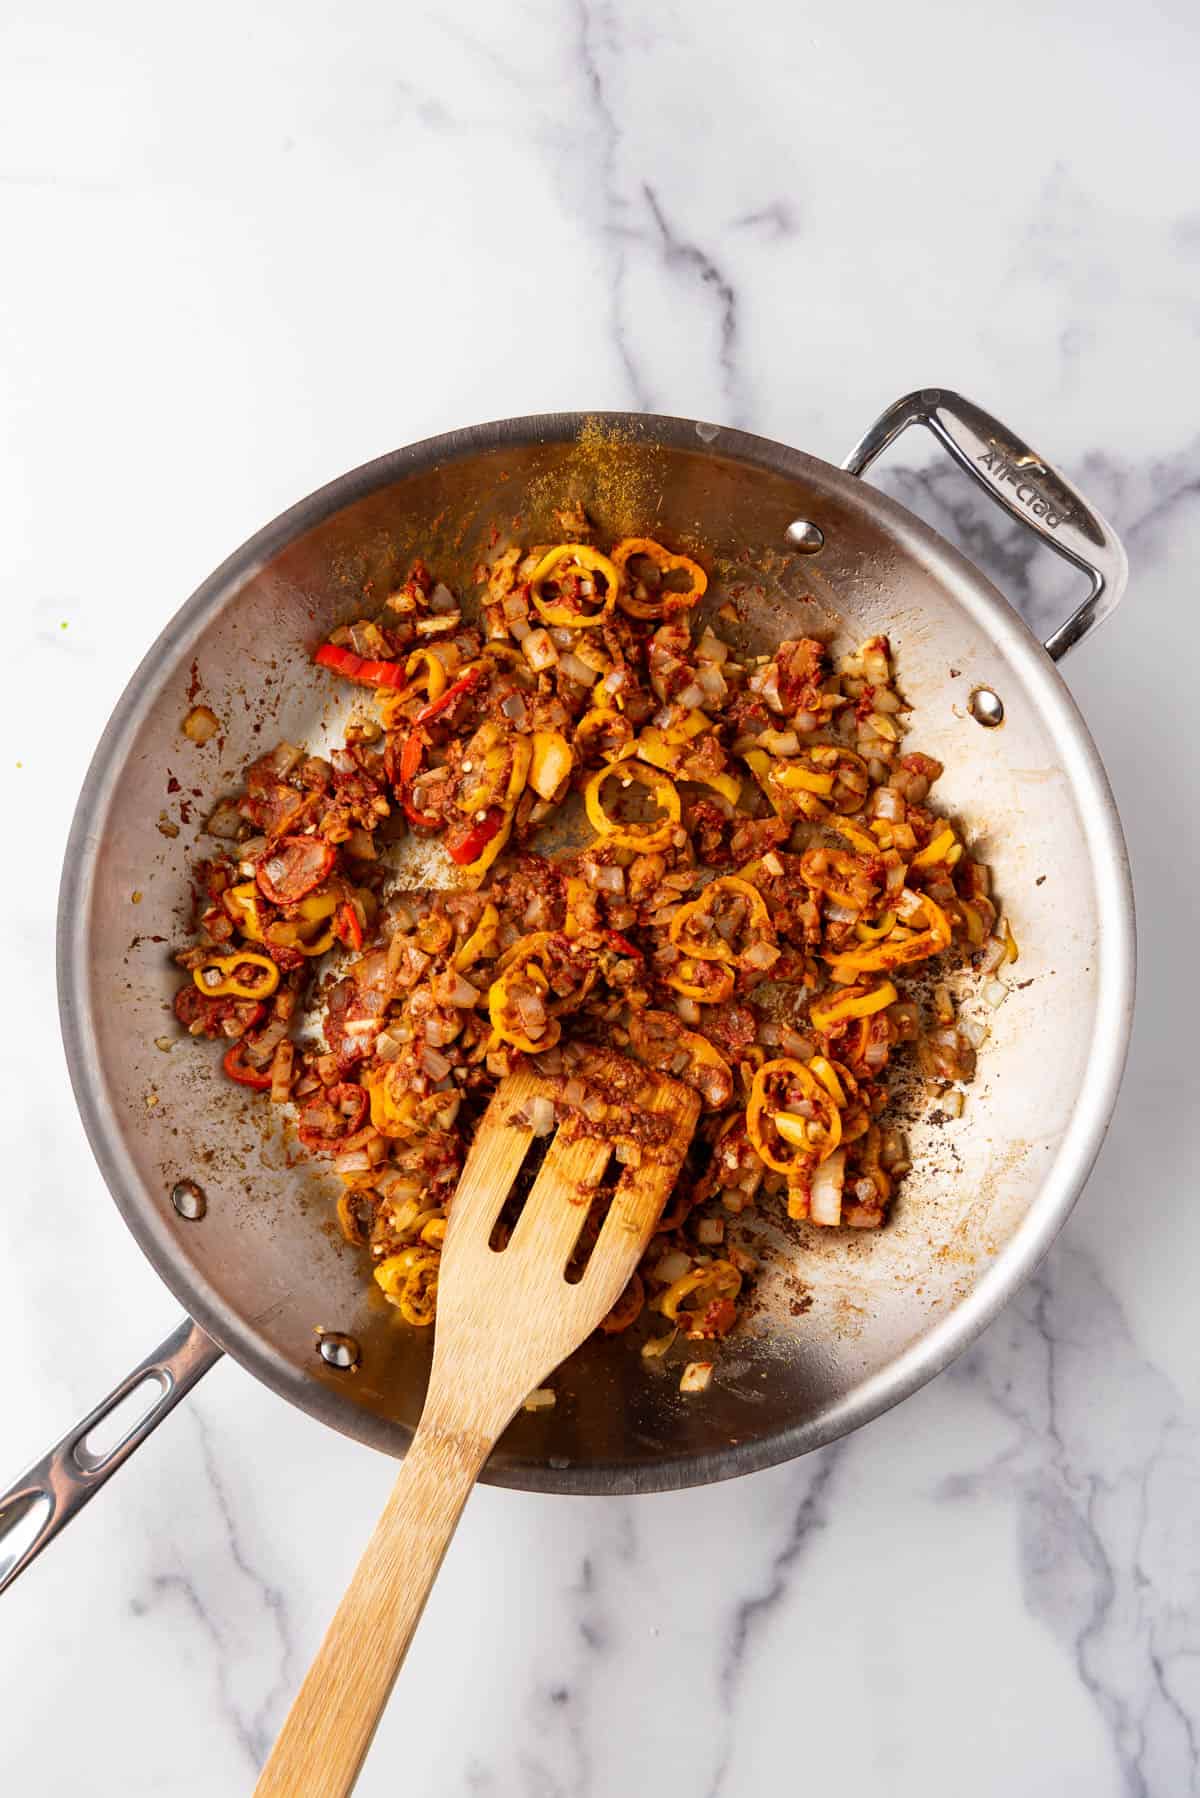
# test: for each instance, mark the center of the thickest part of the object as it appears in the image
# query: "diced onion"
(226, 821)
(451, 988)
(825, 1206)
(544, 1399)
(200, 724)
(605, 878)
(712, 682)
(761, 955)
(357, 1161)
(696, 1376)
(671, 1267)
(711, 649)
(539, 651)
(992, 956)
(540, 1114)
(576, 670)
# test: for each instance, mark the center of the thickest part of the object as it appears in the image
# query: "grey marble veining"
(251, 251)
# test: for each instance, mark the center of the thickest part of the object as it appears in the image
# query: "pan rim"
(1081, 1142)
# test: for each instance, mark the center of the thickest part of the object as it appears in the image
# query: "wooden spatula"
(505, 1321)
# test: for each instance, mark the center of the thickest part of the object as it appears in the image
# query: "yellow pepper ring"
(522, 753)
(230, 984)
(937, 851)
(713, 993)
(525, 949)
(760, 1106)
(669, 750)
(317, 906)
(597, 722)
(826, 1073)
(401, 1277)
(482, 940)
(654, 835)
(573, 559)
(718, 1279)
(498, 1010)
(794, 774)
(834, 1010)
(857, 839)
(669, 563)
(719, 949)
(318, 945)
(245, 900)
(426, 670)
(392, 1114)
(897, 955)
(875, 933)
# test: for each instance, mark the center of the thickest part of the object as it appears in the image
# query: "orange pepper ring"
(668, 561)
(759, 1102)
(583, 558)
(760, 919)
(888, 955)
(654, 834)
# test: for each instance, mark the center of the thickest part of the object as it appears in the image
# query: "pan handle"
(1028, 488)
(37, 1506)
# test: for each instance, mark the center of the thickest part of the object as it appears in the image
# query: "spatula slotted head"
(508, 1316)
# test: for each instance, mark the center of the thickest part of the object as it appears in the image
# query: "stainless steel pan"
(813, 546)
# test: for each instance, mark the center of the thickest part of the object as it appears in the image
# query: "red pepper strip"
(436, 707)
(360, 668)
(410, 761)
(622, 944)
(346, 926)
(472, 846)
(240, 1070)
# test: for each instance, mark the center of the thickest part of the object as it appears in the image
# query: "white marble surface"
(246, 247)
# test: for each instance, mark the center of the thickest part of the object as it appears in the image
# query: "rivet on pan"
(189, 1200)
(986, 707)
(338, 1350)
(807, 538)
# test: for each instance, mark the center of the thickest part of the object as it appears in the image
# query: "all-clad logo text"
(1017, 475)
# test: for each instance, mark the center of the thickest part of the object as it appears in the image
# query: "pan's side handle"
(1021, 481)
(36, 1507)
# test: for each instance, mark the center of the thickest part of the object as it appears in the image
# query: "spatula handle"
(325, 1737)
